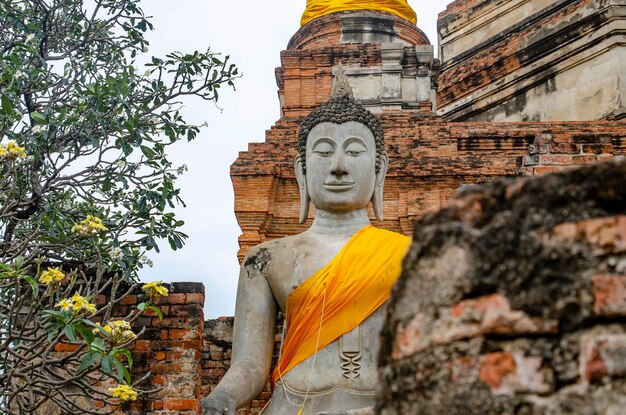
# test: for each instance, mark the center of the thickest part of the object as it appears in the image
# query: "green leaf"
(70, 332)
(98, 345)
(141, 306)
(87, 360)
(53, 329)
(172, 244)
(119, 368)
(33, 284)
(7, 105)
(178, 241)
(85, 332)
(126, 353)
(147, 151)
(157, 310)
(107, 364)
(38, 118)
(55, 313)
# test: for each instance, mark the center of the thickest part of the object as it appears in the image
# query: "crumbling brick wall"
(216, 359)
(170, 349)
(513, 301)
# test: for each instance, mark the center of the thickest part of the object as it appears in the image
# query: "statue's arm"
(253, 343)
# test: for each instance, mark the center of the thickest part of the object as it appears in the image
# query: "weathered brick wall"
(513, 301)
(216, 359)
(517, 60)
(170, 349)
(504, 54)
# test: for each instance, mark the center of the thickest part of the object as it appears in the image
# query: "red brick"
(495, 366)
(130, 299)
(172, 298)
(64, 347)
(586, 159)
(603, 355)
(597, 148)
(609, 295)
(564, 148)
(545, 170)
(195, 298)
(605, 235)
(509, 373)
(182, 404)
(142, 345)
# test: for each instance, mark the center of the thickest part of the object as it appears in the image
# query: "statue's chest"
(291, 268)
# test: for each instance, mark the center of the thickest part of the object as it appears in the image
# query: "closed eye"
(324, 153)
(354, 153)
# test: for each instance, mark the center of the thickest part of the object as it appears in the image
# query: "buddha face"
(340, 166)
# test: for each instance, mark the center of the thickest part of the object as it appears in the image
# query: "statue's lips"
(336, 186)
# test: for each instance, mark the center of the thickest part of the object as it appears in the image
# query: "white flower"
(121, 164)
(30, 38)
(115, 253)
(38, 129)
(155, 120)
(148, 262)
(19, 75)
(148, 72)
(181, 169)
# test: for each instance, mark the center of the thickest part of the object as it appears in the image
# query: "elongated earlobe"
(304, 192)
(377, 197)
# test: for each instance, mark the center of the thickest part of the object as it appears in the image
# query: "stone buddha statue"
(331, 281)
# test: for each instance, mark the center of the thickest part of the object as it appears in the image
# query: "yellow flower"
(117, 332)
(123, 393)
(155, 289)
(76, 305)
(65, 305)
(90, 226)
(90, 309)
(11, 151)
(51, 275)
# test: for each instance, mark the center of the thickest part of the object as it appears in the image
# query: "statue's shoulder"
(278, 247)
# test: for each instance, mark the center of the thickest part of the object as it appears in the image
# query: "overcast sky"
(253, 33)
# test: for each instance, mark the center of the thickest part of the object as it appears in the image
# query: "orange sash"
(319, 8)
(349, 288)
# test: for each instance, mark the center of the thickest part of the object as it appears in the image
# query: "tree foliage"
(86, 186)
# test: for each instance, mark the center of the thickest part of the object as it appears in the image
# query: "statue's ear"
(304, 191)
(377, 197)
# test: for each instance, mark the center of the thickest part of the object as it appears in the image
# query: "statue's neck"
(339, 223)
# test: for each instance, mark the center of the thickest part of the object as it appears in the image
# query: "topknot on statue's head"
(339, 109)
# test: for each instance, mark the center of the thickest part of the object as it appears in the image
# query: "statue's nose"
(338, 165)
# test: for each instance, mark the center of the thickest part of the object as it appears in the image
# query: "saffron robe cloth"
(348, 289)
(319, 8)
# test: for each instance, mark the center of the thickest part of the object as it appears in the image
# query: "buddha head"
(342, 163)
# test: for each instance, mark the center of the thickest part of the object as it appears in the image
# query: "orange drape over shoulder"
(319, 8)
(350, 288)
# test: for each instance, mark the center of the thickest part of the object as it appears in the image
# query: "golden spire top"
(319, 8)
